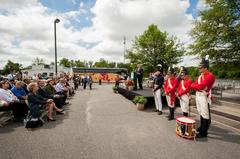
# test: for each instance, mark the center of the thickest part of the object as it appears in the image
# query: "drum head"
(185, 120)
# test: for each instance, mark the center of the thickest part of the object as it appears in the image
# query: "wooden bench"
(5, 116)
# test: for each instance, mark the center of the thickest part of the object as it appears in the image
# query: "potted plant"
(140, 101)
(129, 84)
(114, 88)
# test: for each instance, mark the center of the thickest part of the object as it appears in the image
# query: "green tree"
(79, 63)
(38, 61)
(11, 67)
(65, 62)
(155, 47)
(111, 64)
(90, 63)
(101, 63)
(129, 66)
(72, 63)
(217, 32)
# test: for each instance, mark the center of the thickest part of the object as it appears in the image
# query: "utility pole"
(124, 48)
(55, 44)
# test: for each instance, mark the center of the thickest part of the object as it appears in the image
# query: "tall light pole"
(55, 40)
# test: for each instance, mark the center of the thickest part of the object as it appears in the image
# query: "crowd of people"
(28, 98)
(178, 85)
(24, 97)
(83, 80)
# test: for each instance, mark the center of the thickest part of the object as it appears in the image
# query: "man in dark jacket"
(139, 72)
(47, 94)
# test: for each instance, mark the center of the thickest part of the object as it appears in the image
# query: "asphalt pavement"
(99, 124)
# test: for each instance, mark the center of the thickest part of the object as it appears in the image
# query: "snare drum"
(186, 127)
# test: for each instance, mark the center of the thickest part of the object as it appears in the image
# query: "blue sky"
(89, 29)
(64, 6)
(74, 5)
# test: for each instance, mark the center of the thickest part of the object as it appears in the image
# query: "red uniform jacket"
(204, 82)
(170, 87)
(184, 87)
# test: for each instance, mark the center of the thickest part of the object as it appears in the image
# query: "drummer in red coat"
(183, 90)
(170, 87)
(203, 86)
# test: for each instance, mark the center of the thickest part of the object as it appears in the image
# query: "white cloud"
(114, 19)
(201, 5)
(74, 2)
(26, 29)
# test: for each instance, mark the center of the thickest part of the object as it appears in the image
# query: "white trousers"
(184, 103)
(158, 99)
(169, 101)
(202, 104)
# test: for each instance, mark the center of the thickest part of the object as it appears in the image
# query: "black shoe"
(48, 119)
(199, 129)
(155, 110)
(65, 103)
(61, 112)
(201, 135)
(159, 112)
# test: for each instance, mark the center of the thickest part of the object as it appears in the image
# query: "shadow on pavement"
(217, 133)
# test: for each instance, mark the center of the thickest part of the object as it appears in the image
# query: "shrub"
(140, 100)
(115, 88)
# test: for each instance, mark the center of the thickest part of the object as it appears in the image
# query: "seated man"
(48, 91)
(19, 91)
(11, 102)
(25, 83)
(61, 89)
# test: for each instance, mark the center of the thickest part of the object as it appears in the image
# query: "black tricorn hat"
(170, 70)
(204, 63)
(183, 70)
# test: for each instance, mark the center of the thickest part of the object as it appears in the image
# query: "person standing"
(139, 75)
(184, 90)
(158, 82)
(135, 80)
(100, 77)
(85, 80)
(203, 86)
(170, 87)
(89, 81)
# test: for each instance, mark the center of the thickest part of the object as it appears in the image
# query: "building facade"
(44, 70)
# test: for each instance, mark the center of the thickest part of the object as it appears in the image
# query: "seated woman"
(11, 103)
(37, 102)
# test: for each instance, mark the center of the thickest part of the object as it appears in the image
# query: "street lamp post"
(55, 40)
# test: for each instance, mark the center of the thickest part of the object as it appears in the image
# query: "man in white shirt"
(11, 102)
(61, 89)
